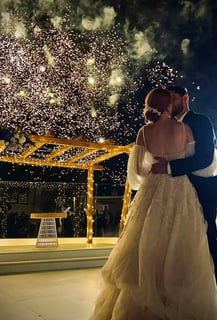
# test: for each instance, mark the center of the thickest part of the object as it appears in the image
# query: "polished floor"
(55, 295)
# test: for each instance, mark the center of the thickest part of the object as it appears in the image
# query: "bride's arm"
(138, 166)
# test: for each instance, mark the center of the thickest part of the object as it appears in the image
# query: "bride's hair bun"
(156, 102)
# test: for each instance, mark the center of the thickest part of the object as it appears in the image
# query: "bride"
(161, 266)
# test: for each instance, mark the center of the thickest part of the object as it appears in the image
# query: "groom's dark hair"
(180, 90)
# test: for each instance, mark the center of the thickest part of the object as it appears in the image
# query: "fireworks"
(69, 84)
(64, 82)
(161, 74)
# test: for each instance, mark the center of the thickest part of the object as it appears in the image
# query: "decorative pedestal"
(47, 235)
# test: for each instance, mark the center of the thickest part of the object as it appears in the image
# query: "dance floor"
(65, 288)
(55, 295)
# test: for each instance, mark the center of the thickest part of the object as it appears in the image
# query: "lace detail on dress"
(160, 267)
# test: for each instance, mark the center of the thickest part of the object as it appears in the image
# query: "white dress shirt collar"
(182, 117)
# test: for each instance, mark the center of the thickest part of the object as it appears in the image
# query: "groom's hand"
(159, 167)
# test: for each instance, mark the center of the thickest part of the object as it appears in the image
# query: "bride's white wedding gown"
(161, 267)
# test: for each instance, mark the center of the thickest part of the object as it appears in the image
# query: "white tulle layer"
(161, 266)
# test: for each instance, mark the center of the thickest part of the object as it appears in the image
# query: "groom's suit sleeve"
(204, 137)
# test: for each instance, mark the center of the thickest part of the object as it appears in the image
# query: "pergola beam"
(78, 143)
(36, 162)
(82, 155)
(31, 150)
(57, 152)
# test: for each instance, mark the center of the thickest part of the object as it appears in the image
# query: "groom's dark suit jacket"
(204, 137)
(206, 188)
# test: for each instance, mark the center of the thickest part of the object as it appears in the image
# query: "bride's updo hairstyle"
(156, 102)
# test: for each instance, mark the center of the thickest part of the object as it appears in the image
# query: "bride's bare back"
(165, 137)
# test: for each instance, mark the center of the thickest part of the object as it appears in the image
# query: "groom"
(205, 185)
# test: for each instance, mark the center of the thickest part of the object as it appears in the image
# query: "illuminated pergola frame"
(78, 161)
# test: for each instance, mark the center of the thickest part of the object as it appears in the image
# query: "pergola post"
(90, 184)
(125, 207)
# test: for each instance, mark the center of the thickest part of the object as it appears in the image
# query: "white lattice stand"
(47, 235)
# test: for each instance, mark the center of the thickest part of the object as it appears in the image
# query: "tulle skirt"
(161, 266)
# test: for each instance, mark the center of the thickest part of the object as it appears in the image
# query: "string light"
(66, 195)
(4, 211)
(90, 184)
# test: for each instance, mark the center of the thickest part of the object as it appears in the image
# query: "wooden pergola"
(83, 155)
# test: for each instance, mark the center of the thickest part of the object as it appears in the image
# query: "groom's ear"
(186, 99)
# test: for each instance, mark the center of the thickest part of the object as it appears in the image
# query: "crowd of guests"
(106, 223)
(19, 224)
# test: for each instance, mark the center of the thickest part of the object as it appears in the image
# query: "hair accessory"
(153, 110)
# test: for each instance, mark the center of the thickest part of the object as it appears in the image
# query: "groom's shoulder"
(200, 121)
(199, 116)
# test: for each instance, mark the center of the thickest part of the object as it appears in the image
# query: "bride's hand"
(159, 167)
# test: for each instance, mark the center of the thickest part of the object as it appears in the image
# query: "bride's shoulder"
(147, 125)
(145, 128)
(140, 140)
